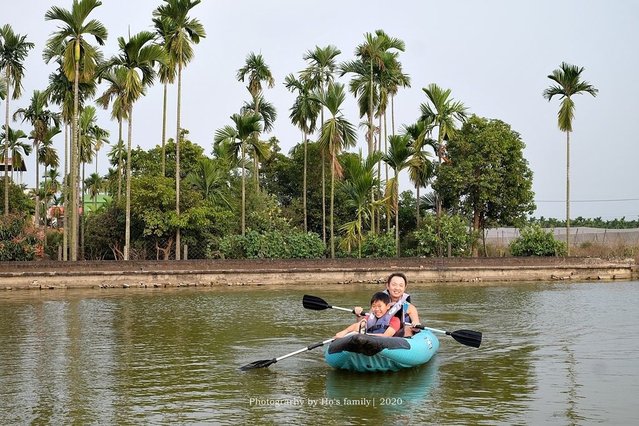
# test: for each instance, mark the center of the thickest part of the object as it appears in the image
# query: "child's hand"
(358, 311)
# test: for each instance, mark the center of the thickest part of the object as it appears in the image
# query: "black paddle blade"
(258, 364)
(467, 337)
(314, 303)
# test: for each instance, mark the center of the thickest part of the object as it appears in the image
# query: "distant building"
(12, 167)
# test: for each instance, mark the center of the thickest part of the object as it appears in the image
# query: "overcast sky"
(494, 55)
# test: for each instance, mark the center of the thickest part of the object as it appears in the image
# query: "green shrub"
(436, 234)
(379, 245)
(18, 240)
(534, 241)
(272, 245)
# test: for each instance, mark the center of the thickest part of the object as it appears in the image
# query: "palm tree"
(337, 134)
(256, 71)
(138, 57)
(420, 167)
(320, 73)
(79, 61)
(116, 93)
(40, 118)
(444, 113)
(117, 152)
(16, 149)
(209, 178)
(246, 126)
(48, 154)
(304, 114)
(568, 82)
(397, 157)
(377, 51)
(258, 149)
(94, 184)
(180, 32)
(61, 92)
(359, 181)
(49, 158)
(166, 75)
(14, 49)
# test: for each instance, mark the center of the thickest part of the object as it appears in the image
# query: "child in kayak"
(378, 321)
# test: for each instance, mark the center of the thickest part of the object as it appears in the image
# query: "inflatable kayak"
(370, 352)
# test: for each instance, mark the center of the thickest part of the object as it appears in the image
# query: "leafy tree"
(14, 49)
(443, 234)
(567, 79)
(19, 201)
(534, 241)
(487, 177)
(104, 238)
(379, 245)
(18, 239)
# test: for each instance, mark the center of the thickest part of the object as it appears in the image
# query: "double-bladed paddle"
(319, 304)
(465, 337)
(266, 362)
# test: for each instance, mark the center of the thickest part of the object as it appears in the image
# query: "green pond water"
(552, 353)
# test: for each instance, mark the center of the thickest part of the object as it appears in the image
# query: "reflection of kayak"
(409, 384)
(369, 352)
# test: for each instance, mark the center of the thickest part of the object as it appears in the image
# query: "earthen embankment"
(105, 274)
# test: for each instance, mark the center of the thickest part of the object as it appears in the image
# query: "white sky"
(494, 55)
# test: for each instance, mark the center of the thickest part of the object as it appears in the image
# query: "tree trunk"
(476, 227)
(164, 131)
(332, 207)
(119, 159)
(417, 212)
(323, 155)
(65, 230)
(568, 193)
(304, 183)
(243, 221)
(127, 226)
(396, 213)
(177, 163)
(74, 167)
(37, 186)
(6, 145)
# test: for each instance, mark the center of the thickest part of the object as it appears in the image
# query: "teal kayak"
(370, 352)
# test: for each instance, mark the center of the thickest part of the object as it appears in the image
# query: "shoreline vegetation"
(220, 273)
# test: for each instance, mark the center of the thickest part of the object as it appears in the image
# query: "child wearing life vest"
(378, 321)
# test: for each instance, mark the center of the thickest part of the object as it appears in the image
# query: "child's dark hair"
(397, 274)
(380, 296)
